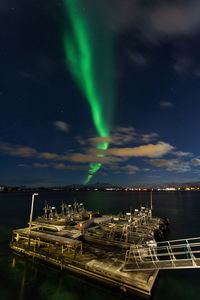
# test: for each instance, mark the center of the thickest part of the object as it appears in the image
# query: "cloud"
(47, 155)
(119, 136)
(102, 174)
(166, 104)
(60, 166)
(39, 165)
(113, 158)
(172, 165)
(181, 153)
(28, 75)
(92, 158)
(70, 167)
(26, 152)
(146, 169)
(195, 161)
(164, 162)
(147, 138)
(60, 125)
(23, 151)
(129, 169)
(93, 155)
(150, 150)
(80, 140)
(183, 64)
(117, 15)
(22, 165)
(181, 167)
(151, 20)
(99, 140)
(138, 59)
(123, 135)
(176, 165)
(17, 150)
(175, 18)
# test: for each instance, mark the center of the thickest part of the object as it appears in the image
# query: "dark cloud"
(138, 59)
(17, 150)
(39, 165)
(172, 165)
(62, 166)
(129, 169)
(122, 136)
(47, 155)
(152, 19)
(175, 17)
(22, 165)
(183, 65)
(166, 104)
(186, 65)
(164, 162)
(80, 140)
(93, 158)
(147, 138)
(60, 125)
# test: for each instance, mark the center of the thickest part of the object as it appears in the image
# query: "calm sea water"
(24, 279)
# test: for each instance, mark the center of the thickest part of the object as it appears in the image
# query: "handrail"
(183, 253)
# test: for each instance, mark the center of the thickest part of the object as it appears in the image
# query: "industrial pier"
(121, 250)
(103, 264)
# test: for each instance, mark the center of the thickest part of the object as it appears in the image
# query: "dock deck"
(101, 263)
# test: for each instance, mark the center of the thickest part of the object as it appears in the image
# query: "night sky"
(105, 91)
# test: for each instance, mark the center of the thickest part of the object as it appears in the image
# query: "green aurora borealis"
(90, 61)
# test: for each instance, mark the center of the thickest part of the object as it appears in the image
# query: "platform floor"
(103, 263)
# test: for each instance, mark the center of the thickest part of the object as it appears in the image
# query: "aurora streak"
(82, 56)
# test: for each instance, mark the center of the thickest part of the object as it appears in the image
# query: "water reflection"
(21, 293)
(45, 282)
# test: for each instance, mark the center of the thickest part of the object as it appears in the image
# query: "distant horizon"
(107, 184)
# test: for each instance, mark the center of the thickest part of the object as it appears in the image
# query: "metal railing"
(183, 253)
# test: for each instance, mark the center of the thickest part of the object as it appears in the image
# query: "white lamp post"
(31, 214)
